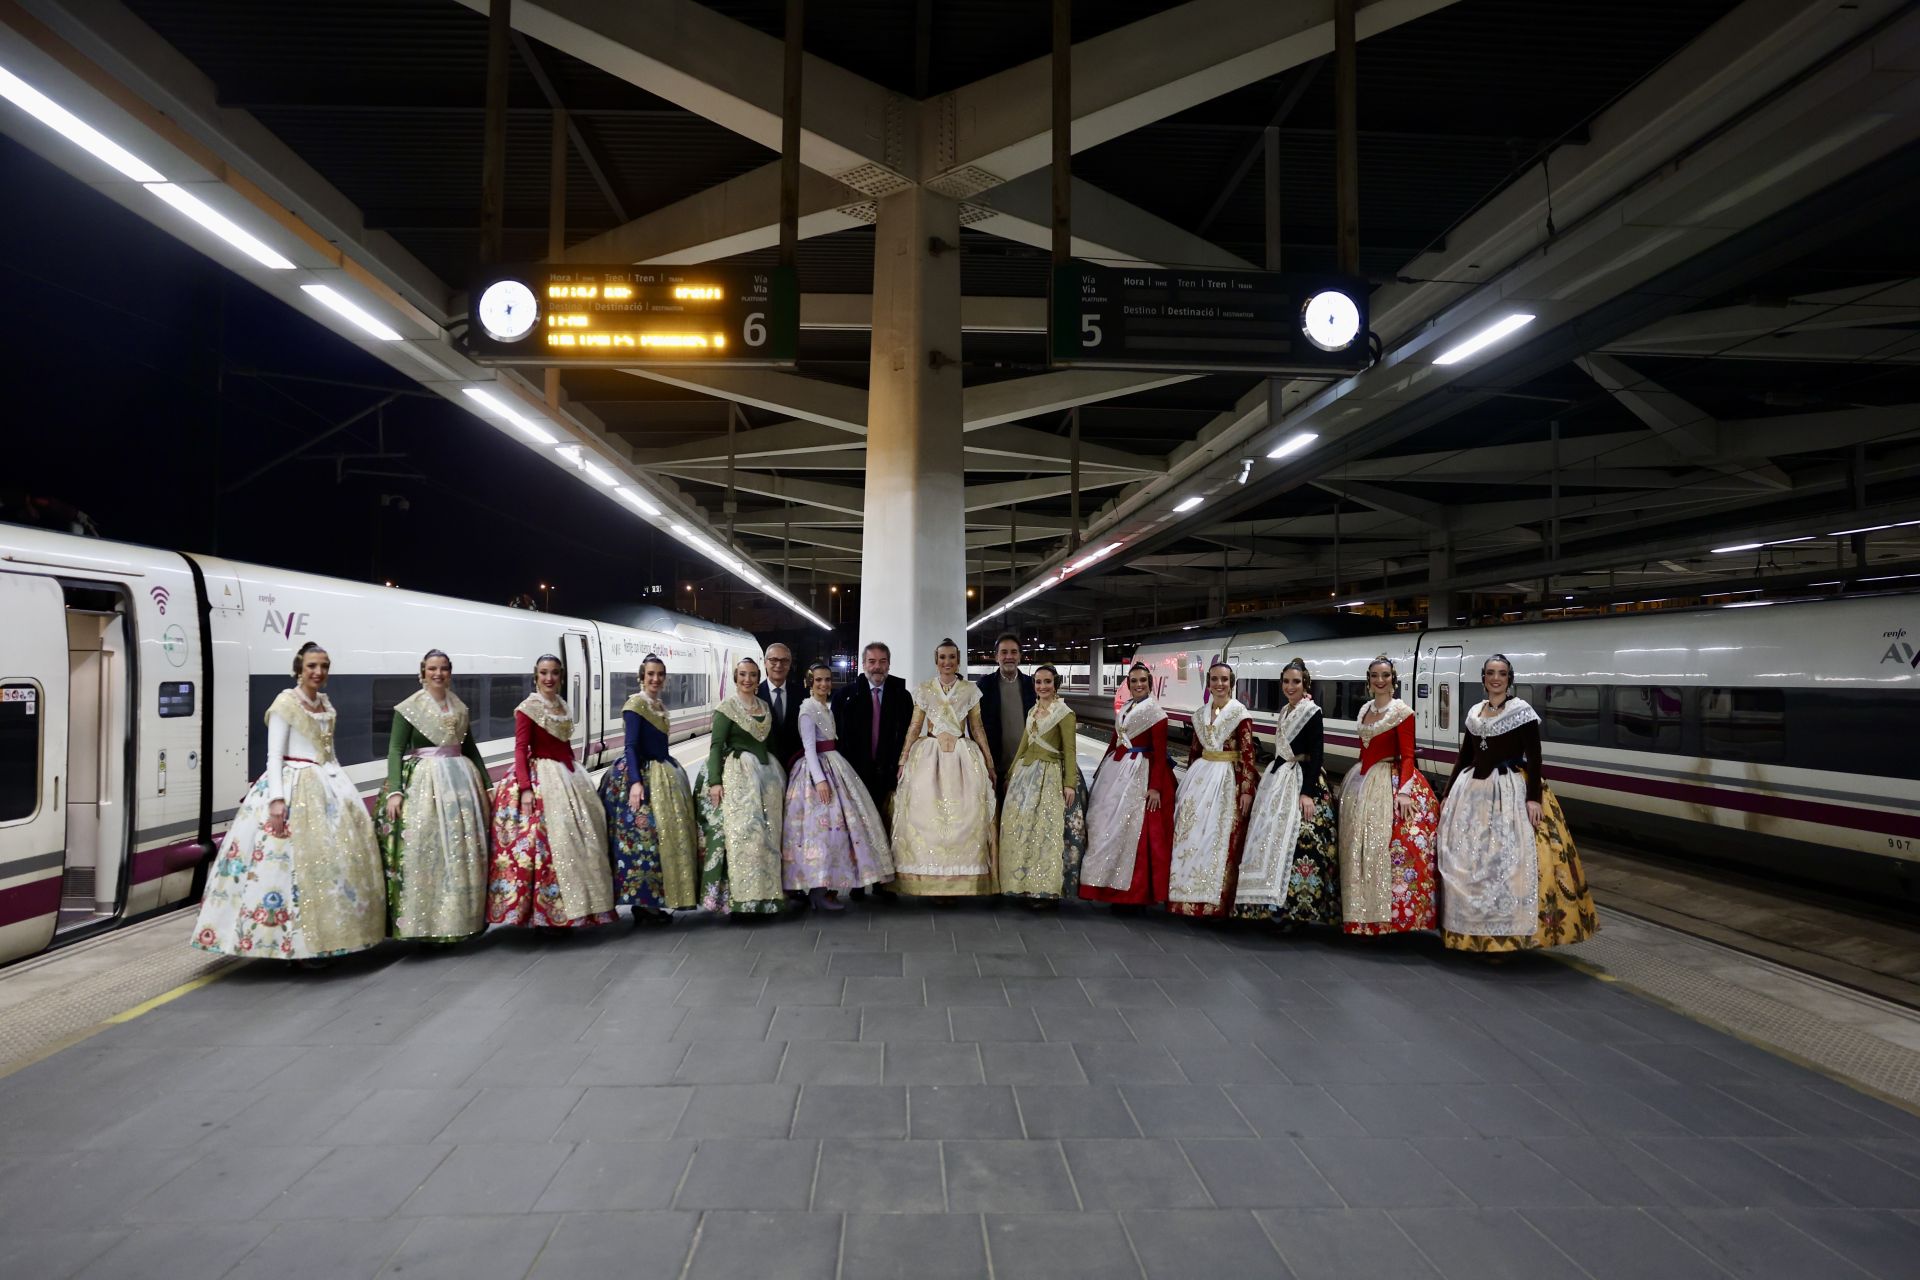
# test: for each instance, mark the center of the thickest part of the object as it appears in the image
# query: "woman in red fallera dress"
(549, 862)
(1388, 819)
(1130, 819)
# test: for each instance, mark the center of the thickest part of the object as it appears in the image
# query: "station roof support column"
(913, 559)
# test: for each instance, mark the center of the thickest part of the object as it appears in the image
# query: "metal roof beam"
(738, 216)
(827, 403)
(588, 153)
(990, 404)
(997, 129)
(1104, 226)
(732, 74)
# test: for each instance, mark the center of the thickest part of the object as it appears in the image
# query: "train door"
(99, 724)
(33, 761)
(1437, 695)
(580, 699)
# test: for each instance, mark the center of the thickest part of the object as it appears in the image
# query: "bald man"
(783, 690)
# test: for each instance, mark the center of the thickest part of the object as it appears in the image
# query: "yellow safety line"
(66, 1042)
(148, 1006)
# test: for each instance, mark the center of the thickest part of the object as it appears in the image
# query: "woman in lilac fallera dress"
(833, 836)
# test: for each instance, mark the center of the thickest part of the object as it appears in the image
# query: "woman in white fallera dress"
(1210, 811)
(1287, 872)
(298, 876)
(943, 831)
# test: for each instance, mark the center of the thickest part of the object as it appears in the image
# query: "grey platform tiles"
(904, 1091)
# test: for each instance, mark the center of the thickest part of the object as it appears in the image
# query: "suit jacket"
(989, 685)
(878, 764)
(783, 740)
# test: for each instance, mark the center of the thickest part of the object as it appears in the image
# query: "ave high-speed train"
(134, 682)
(1781, 736)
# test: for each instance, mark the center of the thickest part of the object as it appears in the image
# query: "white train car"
(134, 681)
(1776, 735)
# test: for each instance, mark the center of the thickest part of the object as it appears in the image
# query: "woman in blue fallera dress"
(651, 829)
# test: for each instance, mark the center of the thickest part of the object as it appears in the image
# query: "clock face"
(507, 310)
(1331, 321)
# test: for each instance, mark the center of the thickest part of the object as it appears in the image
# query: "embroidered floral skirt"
(653, 850)
(1386, 861)
(943, 829)
(836, 843)
(740, 838)
(436, 851)
(1042, 837)
(550, 862)
(320, 891)
(1313, 879)
(1506, 885)
(1209, 832)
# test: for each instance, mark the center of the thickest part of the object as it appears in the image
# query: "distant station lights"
(1293, 444)
(1485, 338)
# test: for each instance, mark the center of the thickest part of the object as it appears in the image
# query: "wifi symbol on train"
(160, 597)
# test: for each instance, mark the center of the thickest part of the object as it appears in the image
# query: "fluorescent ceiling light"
(633, 497)
(74, 129)
(1295, 445)
(218, 223)
(1355, 604)
(334, 302)
(1874, 528)
(1188, 504)
(528, 427)
(599, 473)
(1778, 542)
(1088, 559)
(1485, 338)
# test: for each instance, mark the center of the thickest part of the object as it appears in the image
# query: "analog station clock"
(508, 310)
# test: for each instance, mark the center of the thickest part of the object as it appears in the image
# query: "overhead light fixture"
(1294, 445)
(1088, 559)
(1188, 504)
(74, 129)
(334, 302)
(1246, 469)
(633, 497)
(221, 225)
(1483, 339)
(1352, 604)
(1755, 546)
(498, 408)
(1874, 528)
(599, 474)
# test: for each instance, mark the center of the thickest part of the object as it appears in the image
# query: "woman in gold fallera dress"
(433, 813)
(1043, 820)
(741, 796)
(298, 876)
(943, 830)
(549, 833)
(1510, 877)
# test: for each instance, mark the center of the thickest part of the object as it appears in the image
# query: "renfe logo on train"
(1900, 651)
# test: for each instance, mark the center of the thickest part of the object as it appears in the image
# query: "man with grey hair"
(1006, 695)
(783, 691)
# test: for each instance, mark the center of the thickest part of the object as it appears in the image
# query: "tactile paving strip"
(69, 1009)
(1844, 1051)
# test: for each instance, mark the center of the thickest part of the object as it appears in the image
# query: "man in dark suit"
(872, 714)
(1006, 695)
(783, 692)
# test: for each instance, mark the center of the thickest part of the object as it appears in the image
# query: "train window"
(21, 716)
(504, 693)
(1744, 724)
(472, 690)
(1860, 731)
(621, 685)
(1570, 713)
(1260, 695)
(1647, 717)
(388, 693)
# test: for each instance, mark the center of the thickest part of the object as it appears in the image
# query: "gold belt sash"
(1221, 757)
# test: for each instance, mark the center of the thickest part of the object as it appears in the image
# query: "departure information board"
(552, 314)
(1200, 320)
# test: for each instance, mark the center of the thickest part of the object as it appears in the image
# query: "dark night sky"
(117, 334)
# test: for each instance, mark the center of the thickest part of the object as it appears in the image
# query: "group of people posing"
(951, 788)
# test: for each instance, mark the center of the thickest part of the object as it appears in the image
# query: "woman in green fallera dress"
(1043, 821)
(741, 794)
(434, 814)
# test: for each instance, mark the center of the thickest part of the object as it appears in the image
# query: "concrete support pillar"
(1096, 653)
(1440, 602)
(913, 555)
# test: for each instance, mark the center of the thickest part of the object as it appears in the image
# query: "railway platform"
(980, 1090)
